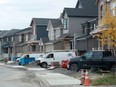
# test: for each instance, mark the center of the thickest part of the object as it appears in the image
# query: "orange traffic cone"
(87, 80)
(82, 77)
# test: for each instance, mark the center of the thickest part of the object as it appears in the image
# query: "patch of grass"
(108, 79)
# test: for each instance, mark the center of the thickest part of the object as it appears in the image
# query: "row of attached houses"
(74, 29)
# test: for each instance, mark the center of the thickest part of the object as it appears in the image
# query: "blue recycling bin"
(26, 61)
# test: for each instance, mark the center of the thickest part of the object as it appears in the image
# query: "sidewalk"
(58, 80)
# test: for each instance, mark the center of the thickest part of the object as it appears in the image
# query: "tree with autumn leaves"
(107, 27)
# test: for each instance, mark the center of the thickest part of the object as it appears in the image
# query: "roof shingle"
(56, 23)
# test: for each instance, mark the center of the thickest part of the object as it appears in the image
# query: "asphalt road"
(17, 78)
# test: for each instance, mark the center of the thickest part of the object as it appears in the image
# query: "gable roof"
(88, 4)
(56, 23)
(40, 21)
(76, 12)
(88, 9)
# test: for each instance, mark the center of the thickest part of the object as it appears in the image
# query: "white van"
(54, 57)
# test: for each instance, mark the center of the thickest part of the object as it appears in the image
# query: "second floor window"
(65, 23)
(91, 26)
(83, 29)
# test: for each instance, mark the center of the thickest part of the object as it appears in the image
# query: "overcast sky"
(17, 14)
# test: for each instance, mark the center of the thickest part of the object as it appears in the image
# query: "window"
(97, 54)
(83, 29)
(50, 56)
(88, 24)
(107, 53)
(26, 56)
(88, 28)
(88, 55)
(65, 24)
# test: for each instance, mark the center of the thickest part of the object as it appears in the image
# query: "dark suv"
(97, 59)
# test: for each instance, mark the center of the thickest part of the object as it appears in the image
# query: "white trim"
(12, 38)
(48, 43)
(26, 37)
(7, 39)
(20, 38)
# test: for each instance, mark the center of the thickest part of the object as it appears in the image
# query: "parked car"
(48, 58)
(93, 59)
